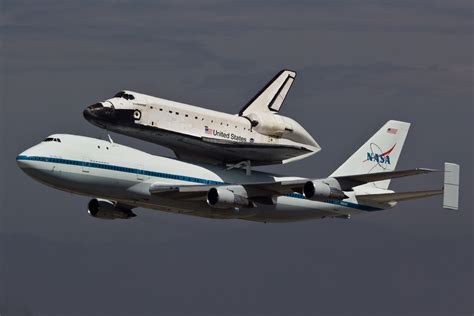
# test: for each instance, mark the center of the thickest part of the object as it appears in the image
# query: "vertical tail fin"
(271, 97)
(380, 153)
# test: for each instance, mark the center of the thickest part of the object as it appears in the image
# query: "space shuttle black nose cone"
(99, 115)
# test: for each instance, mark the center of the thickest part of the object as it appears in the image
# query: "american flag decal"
(208, 130)
(392, 131)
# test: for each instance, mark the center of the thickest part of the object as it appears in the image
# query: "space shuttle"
(257, 135)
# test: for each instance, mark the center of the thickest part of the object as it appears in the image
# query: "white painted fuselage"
(98, 168)
(202, 135)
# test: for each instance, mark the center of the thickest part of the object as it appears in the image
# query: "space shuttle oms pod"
(270, 124)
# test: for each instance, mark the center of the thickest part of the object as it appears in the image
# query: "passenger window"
(195, 117)
(170, 111)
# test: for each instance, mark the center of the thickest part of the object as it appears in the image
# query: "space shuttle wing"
(270, 98)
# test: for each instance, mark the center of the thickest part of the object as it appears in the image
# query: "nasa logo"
(377, 155)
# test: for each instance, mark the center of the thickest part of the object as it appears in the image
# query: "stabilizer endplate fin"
(451, 186)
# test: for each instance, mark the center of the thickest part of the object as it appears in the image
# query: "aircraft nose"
(98, 114)
(25, 159)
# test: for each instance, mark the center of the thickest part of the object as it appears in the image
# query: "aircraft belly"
(210, 150)
(287, 209)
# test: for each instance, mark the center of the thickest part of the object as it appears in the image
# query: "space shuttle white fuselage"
(257, 135)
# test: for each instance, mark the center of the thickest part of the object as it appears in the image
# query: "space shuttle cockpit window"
(124, 95)
(50, 139)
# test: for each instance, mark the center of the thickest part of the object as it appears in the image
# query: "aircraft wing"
(253, 190)
(264, 191)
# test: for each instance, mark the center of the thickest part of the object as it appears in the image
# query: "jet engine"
(106, 209)
(223, 198)
(317, 190)
(270, 124)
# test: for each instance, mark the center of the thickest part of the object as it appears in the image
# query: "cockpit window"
(50, 139)
(124, 95)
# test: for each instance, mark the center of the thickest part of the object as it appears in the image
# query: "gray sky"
(359, 64)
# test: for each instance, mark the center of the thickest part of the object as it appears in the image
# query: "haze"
(358, 63)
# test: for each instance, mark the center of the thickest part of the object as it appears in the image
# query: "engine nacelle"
(316, 190)
(270, 124)
(106, 209)
(223, 198)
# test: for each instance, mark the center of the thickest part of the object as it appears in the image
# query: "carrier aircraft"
(120, 178)
(257, 135)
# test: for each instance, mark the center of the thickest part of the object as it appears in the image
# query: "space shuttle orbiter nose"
(99, 115)
(107, 116)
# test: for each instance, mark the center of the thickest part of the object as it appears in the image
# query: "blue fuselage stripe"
(86, 164)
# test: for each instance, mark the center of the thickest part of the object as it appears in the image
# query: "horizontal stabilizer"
(397, 196)
(271, 97)
(348, 182)
(451, 186)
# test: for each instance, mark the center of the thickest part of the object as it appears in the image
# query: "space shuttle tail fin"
(270, 98)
